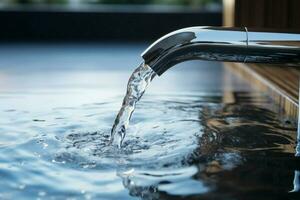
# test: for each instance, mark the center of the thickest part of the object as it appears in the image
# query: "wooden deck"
(281, 82)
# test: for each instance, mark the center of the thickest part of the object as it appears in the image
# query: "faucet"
(228, 45)
(223, 44)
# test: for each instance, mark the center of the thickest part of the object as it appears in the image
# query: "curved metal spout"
(223, 44)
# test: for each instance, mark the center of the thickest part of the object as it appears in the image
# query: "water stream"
(137, 84)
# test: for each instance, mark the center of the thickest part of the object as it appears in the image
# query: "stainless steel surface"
(223, 44)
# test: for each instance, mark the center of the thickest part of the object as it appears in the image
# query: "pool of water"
(199, 133)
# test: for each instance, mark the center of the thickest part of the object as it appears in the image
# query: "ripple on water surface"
(181, 147)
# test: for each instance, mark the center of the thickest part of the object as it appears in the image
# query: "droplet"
(22, 186)
(42, 193)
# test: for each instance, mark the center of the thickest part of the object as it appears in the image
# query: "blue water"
(64, 153)
(210, 136)
(178, 146)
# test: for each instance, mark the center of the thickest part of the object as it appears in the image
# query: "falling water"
(137, 84)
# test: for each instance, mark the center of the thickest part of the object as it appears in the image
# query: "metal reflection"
(223, 44)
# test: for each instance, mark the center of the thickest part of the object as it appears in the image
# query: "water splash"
(137, 84)
(181, 147)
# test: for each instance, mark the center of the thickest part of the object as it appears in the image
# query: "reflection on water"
(178, 147)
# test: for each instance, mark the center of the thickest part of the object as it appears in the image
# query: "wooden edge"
(228, 12)
(288, 104)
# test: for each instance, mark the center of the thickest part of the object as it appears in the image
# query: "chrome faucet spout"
(223, 44)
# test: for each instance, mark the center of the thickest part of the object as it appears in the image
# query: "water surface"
(208, 136)
(182, 146)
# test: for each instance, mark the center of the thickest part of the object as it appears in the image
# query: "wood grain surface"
(280, 82)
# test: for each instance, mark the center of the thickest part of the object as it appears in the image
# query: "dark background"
(276, 14)
(28, 21)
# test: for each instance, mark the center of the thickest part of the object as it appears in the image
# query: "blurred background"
(103, 19)
(106, 37)
(92, 46)
(135, 20)
(73, 2)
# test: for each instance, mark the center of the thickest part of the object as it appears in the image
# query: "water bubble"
(42, 193)
(22, 186)
(45, 145)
